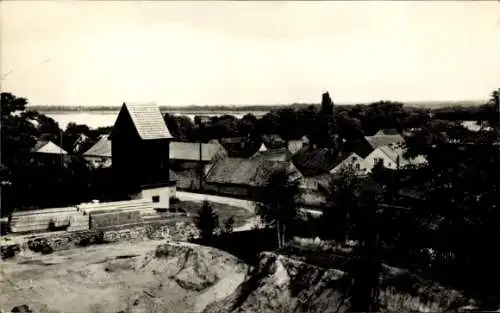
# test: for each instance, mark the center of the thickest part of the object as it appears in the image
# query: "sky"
(181, 53)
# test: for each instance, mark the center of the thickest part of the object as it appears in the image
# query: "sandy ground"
(124, 277)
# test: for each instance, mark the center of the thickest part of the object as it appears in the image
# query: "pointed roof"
(102, 148)
(262, 147)
(47, 147)
(148, 120)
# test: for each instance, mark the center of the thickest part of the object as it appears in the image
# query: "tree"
(352, 213)
(206, 221)
(10, 103)
(228, 225)
(276, 202)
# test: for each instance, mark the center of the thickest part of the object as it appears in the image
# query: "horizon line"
(270, 105)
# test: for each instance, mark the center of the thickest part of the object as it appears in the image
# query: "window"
(357, 166)
(379, 161)
(156, 199)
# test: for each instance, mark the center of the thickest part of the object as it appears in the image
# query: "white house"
(351, 160)
(391, 157)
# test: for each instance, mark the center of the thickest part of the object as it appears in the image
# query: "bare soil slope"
(147, 276)
(280, 284)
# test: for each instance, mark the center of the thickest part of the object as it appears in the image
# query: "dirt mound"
(141, 277)
(281, 284)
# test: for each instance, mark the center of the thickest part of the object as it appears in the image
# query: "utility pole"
(202, 172)
(61, 149)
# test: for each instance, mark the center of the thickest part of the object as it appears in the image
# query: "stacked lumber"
(40, 220)
(116, 218)
(121, 206)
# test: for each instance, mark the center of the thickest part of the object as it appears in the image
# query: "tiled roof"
(102, 148)
(47, 147)
(148, 120)
(348, 159)
(240, 171)
(191, 151)
(387, 131)
(383, 140)
(280, 154)
(315, 162)
(273, 141)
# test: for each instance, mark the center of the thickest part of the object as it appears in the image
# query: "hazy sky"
(178, 53)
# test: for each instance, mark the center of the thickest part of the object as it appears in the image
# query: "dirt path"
(199, 197)
(250, 205)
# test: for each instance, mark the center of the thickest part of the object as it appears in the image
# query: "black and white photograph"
(249, 156)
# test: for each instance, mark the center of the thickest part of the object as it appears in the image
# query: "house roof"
(191, 151)
(379, 140)
(240, 171)
(47, 147)
(316, 161)
(273, 141)
(147, 120)
(280, 154)
(172, 175)
(294, 146)
(232, 140)
(387, 131)
(102, 148)
(347, 159)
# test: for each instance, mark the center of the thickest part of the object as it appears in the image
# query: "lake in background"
(96, 119)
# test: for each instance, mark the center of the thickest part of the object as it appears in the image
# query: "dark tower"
(140, 143)
(327, 124)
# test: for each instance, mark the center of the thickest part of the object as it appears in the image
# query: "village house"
(191, 161)
(140, 143)
(295, 146)
(314, 190)
(233, 145)
(369, 143)
(279, 154)
(352, 161)
(242, 177)
(318, 168)
(47, 151)
(99, 155)
(275, 142)
(391, 157)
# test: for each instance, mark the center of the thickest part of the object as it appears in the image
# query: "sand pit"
(148, 276)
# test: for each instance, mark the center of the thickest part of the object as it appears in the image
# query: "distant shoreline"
(236, 109)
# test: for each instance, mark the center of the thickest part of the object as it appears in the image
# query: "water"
(107, 118)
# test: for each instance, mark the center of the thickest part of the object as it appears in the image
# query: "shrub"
(174, 200)
(206, 220)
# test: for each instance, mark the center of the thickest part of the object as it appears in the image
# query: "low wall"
(180, 231)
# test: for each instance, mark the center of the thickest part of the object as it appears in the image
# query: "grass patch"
(224, 211)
